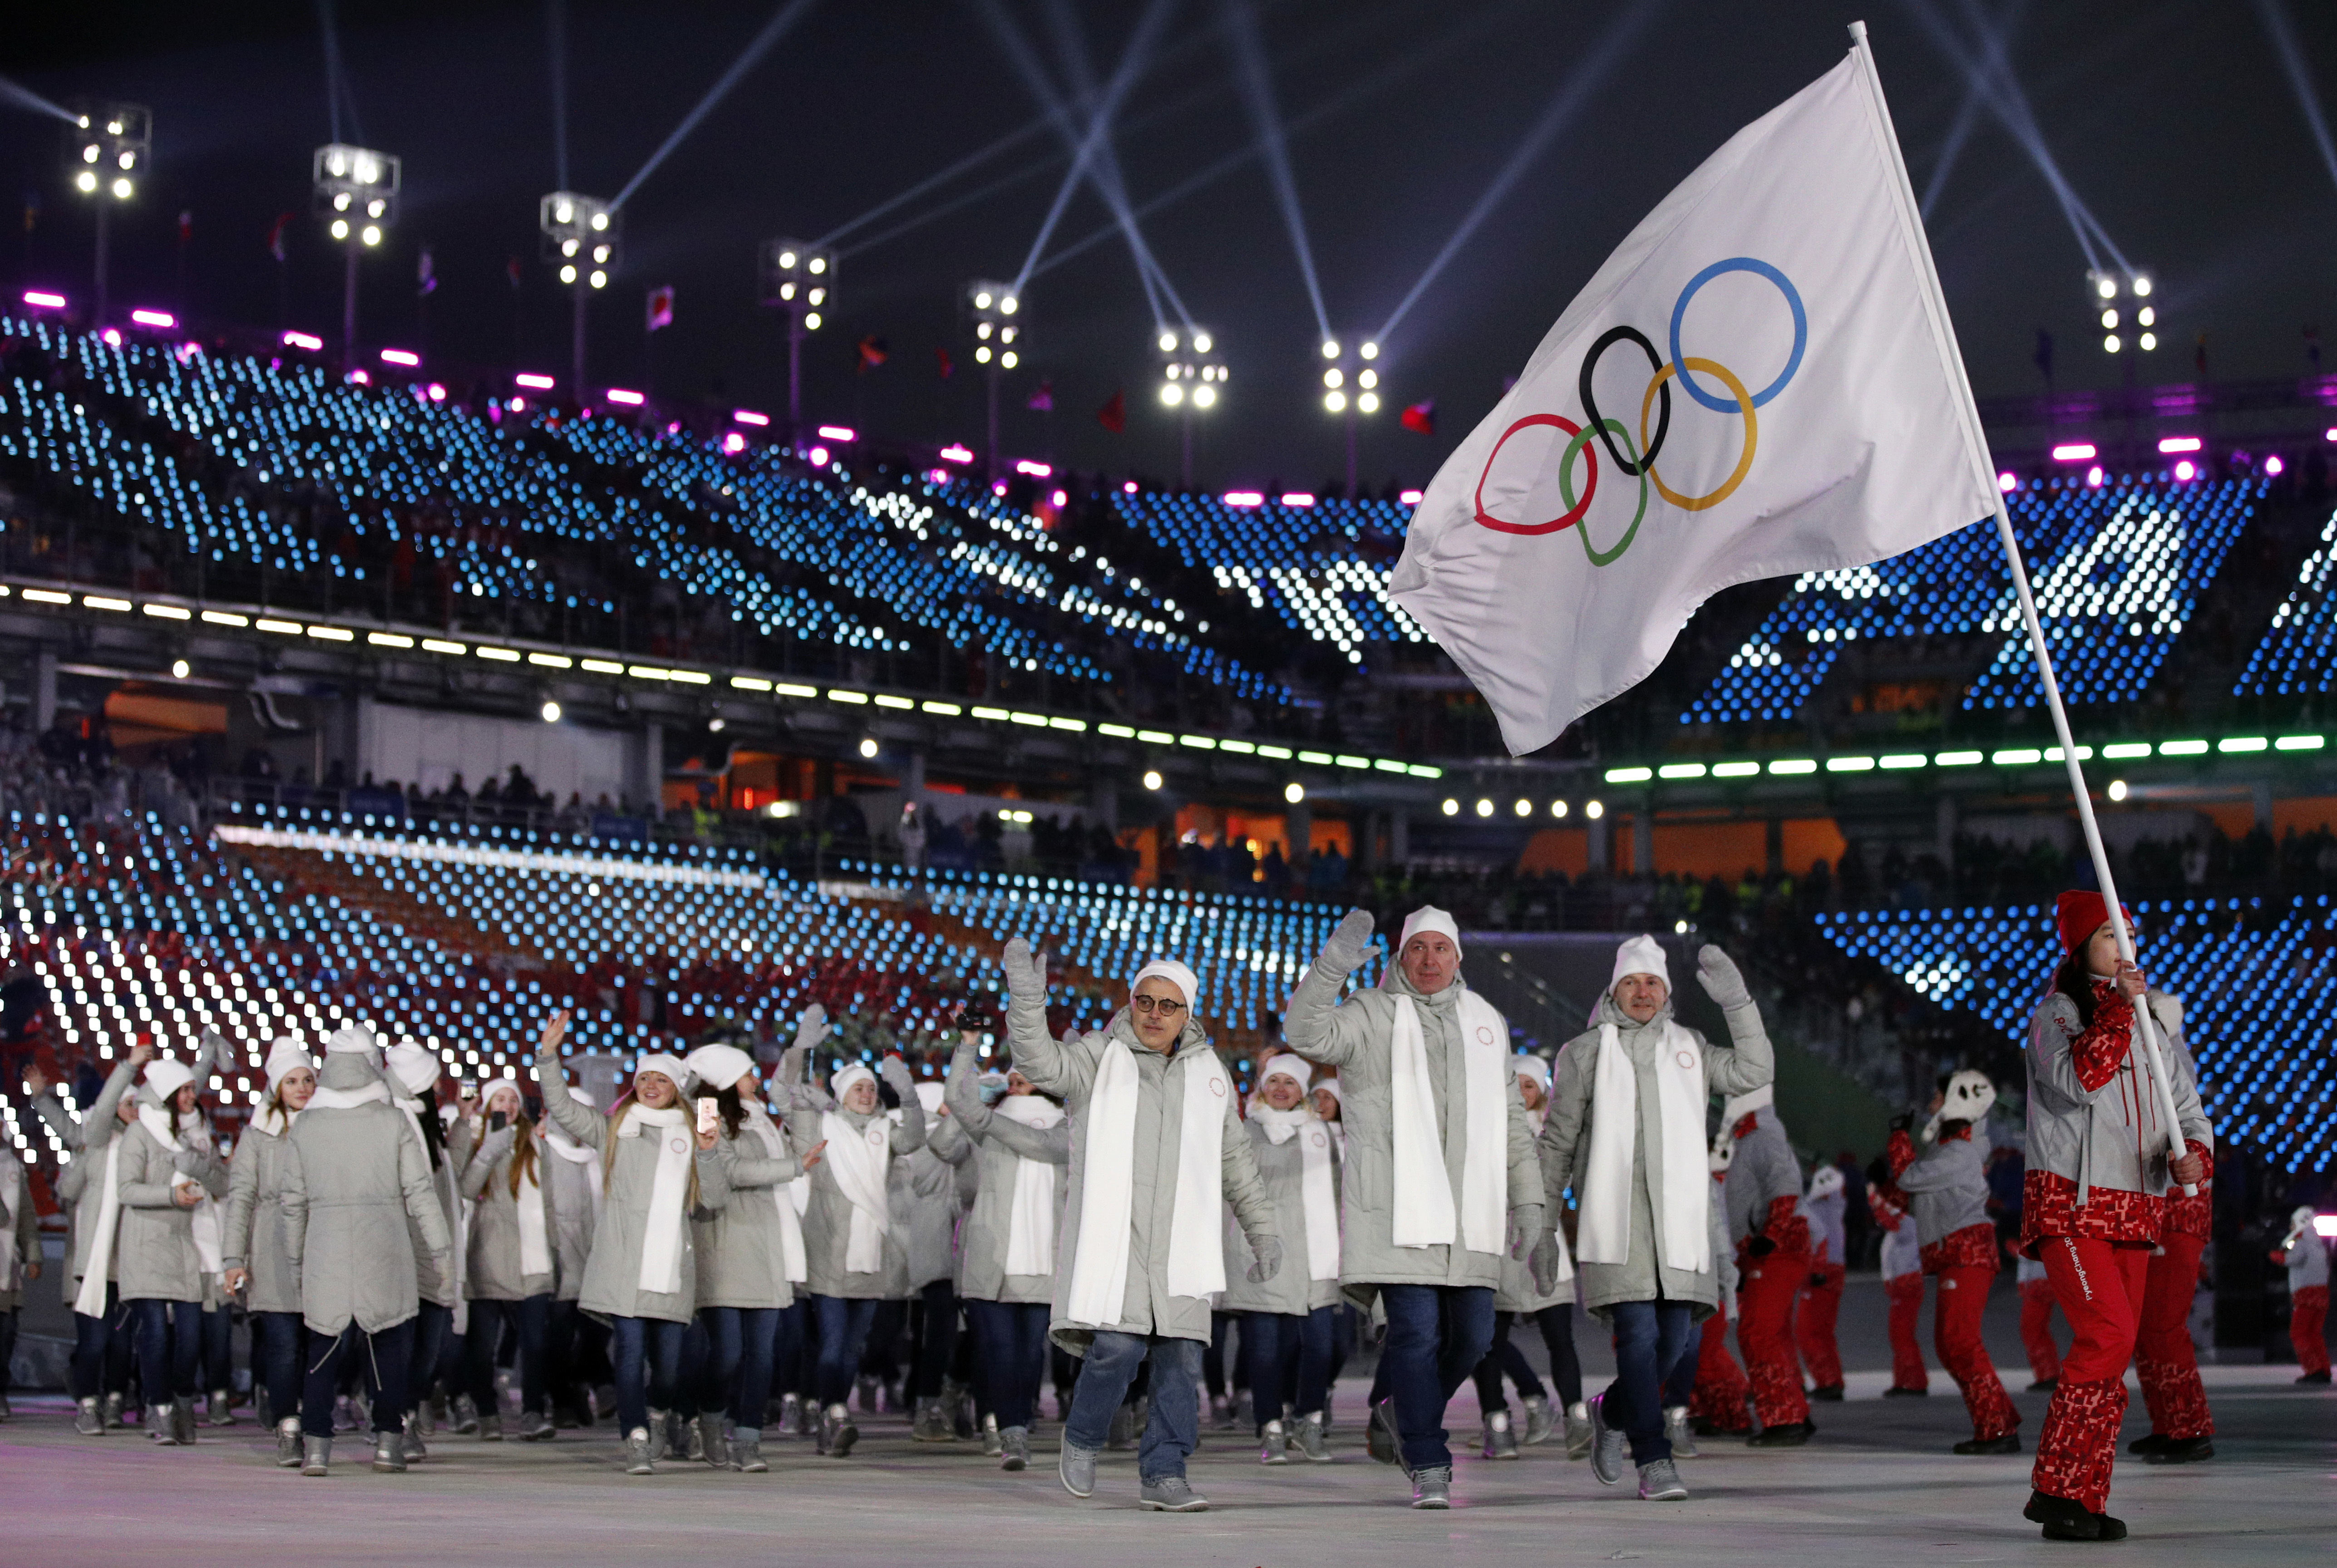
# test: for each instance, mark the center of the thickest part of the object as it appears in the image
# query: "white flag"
(1758, 383)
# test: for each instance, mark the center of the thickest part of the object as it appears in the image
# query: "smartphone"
(498, 1121)
(710, 1112)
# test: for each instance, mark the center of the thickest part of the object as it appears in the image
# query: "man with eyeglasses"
(1157, 1153)
(1441, 1179)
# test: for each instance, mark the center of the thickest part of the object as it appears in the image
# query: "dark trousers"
(1436, 1335)
(7, 1347)
(647, 1353)
(383, 1359)
(932, 1324)
(1504, 1358)
(218, 1345)
(433, 1330)
(526, 1322)
(734, 1373)
(1172, 1430)
(1213, 1354)
(789, 1372)
(1011, 1342)
(1679, 1388)
(1277, 1347)
(843, 1326)
(880, 1349)
(1649, 1340)
(275, 1341)
(101, 1346)
(169, 1347)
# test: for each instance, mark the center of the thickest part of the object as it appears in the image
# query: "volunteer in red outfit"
(1764, 1194)
(1820, 1304)
(1903, 1284)
(1948, 1196)
(2306, 1256)
(2092, 1207)
(1715, 1406)
(2037, 1327)
(2182, 1428)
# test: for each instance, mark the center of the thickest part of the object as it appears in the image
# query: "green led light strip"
(2003, 757)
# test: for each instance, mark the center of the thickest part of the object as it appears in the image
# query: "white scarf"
(1196, 1258)
(12, 1193)
(275, 1121)
(204, 1219)
(1031, 1214)
(1683, 1239)
(661, 1271)
(374, 1094)
(1319, 1203)
(534, 1230)
(1425, 1215)
(793, 1264)
(859, 1159)
(89, 1300)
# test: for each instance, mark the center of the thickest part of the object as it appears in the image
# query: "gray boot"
(182, 1423)
(1501, 1437)
(661, 1435)
(162, 1422)
(1578, 1430)
(931, 1424)
(1076, 1467)
(1681, 1432)
(87, 1419)
(1307, 1437)
(1540, 1420)
(287, 1443)
(637, 1452)
(113, 1421)
(1660, 1482)
(491, 1426)
(990, 1436)
(1014, 1448)
(1274, 1443)
(409, 1437)
(466, 1415)
(1609, 1449)
(390, 1453)
(713, 1442)
(221, 1411)
(315, 1455)
(745, 1447)
(1171, 1495)
(836, 1433)
(693, 1431)
(1432, 1487)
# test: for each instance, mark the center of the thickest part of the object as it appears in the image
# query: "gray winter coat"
(157, 1244)
(1067, 1068)
(1357, 1038)
(612, 1275)
(922, 1191)
(88, 1139)
(1282, 1167)
(575, 1212)
(23, 1220)
(354, 1180)
(1764, 1171)
(1516, 1292)
(1744, 1065)
(496, 1272)
(438, 1278)
(2089, 1135)
(1947, 1190)
(998, 1146)
(252, 1236)
(827, 1223)
(741, 1255)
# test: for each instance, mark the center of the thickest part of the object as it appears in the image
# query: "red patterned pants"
(2163, 1362)
(2037, 1329)
(1765, 1334)
(2098, 1286)
(1956, 1319)
(1813, 1321)
(2308, 1328)
(1720, 1385)
(1906, 1296)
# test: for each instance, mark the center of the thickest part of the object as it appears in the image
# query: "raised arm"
(793, 1090)
(909, 1134)
(1940, 1168)
(571, 1116)
(1749, 1063)
(945, 1138)
(1316, 1026)
(1038, 1057)
(479, 1171)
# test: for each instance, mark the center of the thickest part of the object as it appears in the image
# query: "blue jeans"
(646, 1353)
(169, 1347)
(1436, 1335)
(276, 1340)
(526, 1318)
(842, 1325)
(101, 1353)
(736, 1376)
(1010, 1340)
(385, 1359)
(1172, 1431)
(1275, 1344)
(1649, 1337)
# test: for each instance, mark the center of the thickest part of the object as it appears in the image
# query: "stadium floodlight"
(995, 311)
(355, 190)
(581, 239)
(800, 280)
(1192, 379)
(106, 149)
(1351, 389)
(2120, 301)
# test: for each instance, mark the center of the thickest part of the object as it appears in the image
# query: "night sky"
(2175, 123)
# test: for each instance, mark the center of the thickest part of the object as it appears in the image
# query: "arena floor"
(1876, 1482)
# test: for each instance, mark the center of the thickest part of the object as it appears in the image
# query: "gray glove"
(1350, 945)
(896, 1072)
(1026, 972)
(1542, 1263)
(811, 1026)
(1525, 1223)
(494, 1145)
(1268, 1255)
(188, 1160)
(1717, 973)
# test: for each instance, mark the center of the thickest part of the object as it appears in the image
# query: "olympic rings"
(1574, 509)
(1744, 403)
(1614, 335)
(1679, 310)
(1566, 488)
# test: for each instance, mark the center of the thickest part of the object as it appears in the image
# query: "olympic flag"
(1761, 381)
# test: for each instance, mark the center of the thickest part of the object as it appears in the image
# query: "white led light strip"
(503, 860)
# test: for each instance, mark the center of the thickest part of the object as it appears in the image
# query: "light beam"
(2300, 78)
(789, 14)
(1256, 83)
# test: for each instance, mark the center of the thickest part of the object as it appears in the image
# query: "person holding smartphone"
(258, 1262)
(511, 1268)
(169, 1168)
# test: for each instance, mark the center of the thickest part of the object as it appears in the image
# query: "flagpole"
(2145, 1027)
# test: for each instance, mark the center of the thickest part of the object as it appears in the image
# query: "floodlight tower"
(579, 237)
(106, 149)
(1340, 367)
(997, 331)
(356, 191)
(2105, 290)
(800, 280)
(1192, 379)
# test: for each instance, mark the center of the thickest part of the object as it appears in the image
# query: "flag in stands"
(1422, 417)
(1759, 382)
(660, 308)
(873, 352)
(1113, 414)
(1042, 399)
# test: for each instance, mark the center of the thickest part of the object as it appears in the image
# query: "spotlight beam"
(2300, 78)
(1256, 83)
(1595, 70)
(338, 95)
(1960, 130)
(25, 98)
(781, 22)
(555, 38)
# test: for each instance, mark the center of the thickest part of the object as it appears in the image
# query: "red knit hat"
(2082, 913)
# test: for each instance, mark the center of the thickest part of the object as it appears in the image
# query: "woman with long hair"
(642, 1276)
(1285, 1322)
(747, 1251)
(98, 1374)
(258, 1262)
(169, 1167)
(412, 1072)
(512, 1267)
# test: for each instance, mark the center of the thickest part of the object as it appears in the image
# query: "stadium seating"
(2295, 655)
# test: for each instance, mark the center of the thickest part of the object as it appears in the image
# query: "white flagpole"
(2145, 1027)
